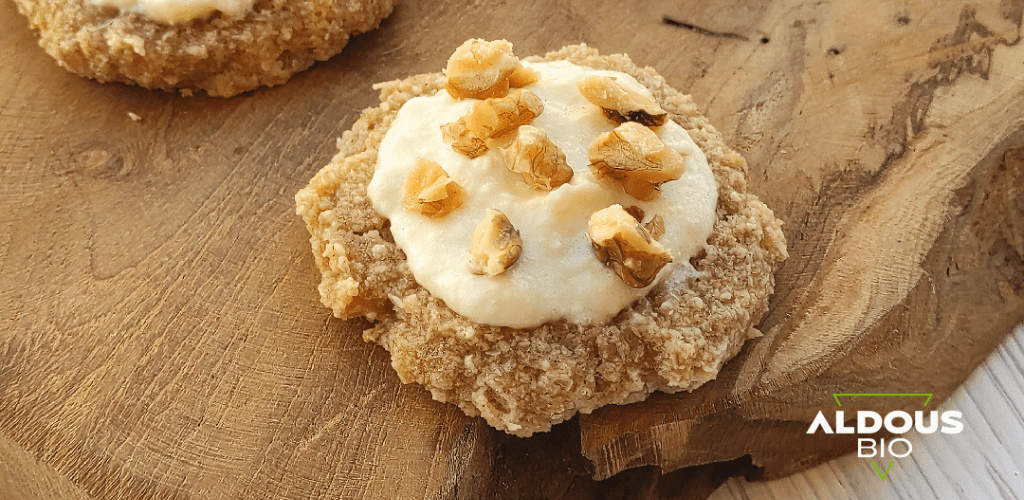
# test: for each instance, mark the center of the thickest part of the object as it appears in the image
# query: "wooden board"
(904, 226)
(160, 333)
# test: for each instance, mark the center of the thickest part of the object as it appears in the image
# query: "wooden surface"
(881, 131)
(160, 333)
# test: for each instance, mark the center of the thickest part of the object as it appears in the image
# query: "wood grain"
(24, 477)
(904, 273)
(160, 333)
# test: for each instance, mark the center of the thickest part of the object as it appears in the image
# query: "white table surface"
(984, 461)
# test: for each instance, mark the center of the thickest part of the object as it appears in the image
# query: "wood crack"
(703, 31)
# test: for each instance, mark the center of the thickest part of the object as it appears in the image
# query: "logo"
(895, 422)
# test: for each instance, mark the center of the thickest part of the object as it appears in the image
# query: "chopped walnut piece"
(636, 212)
(655, 226)
(522, 77)
(462, 140)
(491, 118)
(482, 69)
(496, 245)
(635, 156)
(429, 191)
(625, 246)
(621, 104)
(540, 161)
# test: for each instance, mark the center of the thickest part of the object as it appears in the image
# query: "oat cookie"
(674, 338)
(218, 53)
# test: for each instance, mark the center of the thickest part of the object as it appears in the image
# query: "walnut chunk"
(655, 226)
(496, 245)
(621, 104)
(635, 156)
(540, 161)
(522, 77)
(636, 212)
(462, 140)
(496, 116)
(480, 69)
(429, 191)
(625, 246)
(490, 119)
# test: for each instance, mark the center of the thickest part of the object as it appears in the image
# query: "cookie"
(673, 337)
(217, 52)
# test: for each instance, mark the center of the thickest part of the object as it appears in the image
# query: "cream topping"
(178, 11)
(557, 275)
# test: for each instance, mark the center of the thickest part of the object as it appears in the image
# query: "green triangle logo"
(881, 474)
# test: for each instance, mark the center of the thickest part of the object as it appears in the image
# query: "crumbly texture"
(523, 381)
(220, 55)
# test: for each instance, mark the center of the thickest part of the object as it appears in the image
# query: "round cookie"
(525, 380)
(219, 54)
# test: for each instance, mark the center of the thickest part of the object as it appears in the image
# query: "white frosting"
(558, 275)
(177, 11)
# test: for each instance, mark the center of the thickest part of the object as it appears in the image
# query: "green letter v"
(879, 471)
